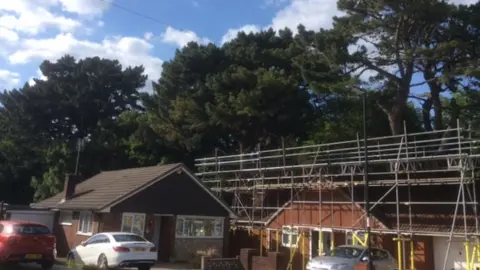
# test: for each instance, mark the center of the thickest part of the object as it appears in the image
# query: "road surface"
(61, 267)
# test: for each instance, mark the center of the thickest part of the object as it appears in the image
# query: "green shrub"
(195, 260)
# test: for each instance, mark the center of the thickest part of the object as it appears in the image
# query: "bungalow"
(166, 204)
(317, 221)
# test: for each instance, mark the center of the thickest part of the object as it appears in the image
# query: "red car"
(26, 242)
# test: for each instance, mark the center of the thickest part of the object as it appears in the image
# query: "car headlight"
(339, 266)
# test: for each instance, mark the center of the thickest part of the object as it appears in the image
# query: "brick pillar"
(278, 259)
(246, 255)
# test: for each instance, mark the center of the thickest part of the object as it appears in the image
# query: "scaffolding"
(397, 166)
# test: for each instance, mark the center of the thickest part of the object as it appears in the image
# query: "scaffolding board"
(436, 158)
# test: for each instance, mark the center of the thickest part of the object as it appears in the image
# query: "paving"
(62, 267)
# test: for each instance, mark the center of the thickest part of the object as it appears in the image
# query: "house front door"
(166, 241)
(156, 231)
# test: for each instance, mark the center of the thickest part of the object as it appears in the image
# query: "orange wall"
(336, 216)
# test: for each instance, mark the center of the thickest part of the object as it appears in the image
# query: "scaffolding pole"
(406, 161)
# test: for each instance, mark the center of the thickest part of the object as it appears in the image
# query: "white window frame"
(89, 220)
(287, 230)
(218, 226)
(65, 218)
(133, 215)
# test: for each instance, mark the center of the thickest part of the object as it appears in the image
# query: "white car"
(114, 249)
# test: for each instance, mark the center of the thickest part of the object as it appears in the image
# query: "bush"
(196, 258)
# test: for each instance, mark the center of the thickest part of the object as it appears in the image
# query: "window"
(85, 223)
(98, 239)
(30, 229)
(65, 218)
(379, 255)
(289, 236)
(199, 227)
(345, 252)
(128, 238)
(133, 223)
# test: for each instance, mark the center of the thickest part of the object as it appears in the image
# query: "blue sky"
(34, 30)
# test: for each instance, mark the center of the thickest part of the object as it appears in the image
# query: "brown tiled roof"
(107, 187)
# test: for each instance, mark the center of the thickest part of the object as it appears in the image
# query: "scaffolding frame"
(441, 157)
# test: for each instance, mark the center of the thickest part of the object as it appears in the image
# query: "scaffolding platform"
(405, 163)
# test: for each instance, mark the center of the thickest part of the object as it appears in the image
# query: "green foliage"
(255, 91)
(51, 182)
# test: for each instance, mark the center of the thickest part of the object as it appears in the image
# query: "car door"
(85, 252)
(381, 259)
(100, 247)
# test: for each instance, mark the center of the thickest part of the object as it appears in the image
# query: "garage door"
(45, 218)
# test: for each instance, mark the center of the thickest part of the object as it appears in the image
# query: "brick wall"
(250, 260)
(67, 236)
(187, 248)
(221, 264)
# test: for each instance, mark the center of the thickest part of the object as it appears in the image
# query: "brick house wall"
(183, 248)
(68, 236)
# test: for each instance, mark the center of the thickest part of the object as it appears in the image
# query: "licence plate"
(138, 249)
(33, 256)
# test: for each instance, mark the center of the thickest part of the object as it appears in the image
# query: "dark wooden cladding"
(178, 194)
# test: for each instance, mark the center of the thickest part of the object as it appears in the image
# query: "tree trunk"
(395, 111)
(435, 89)
(437, 105)
(395, 120)
(426, 108)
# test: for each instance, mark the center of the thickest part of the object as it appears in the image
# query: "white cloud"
(148, 35)
(313, 14)
(130, 51)
(35, 16)
(182, 38)
(85, 7)
(232, 33)
(8, 35)
(39, 76)
(36, 20)
(8, 79)
(100, 23)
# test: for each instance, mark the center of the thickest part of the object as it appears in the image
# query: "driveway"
(61, 267)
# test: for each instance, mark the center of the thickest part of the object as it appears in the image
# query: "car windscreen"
(128, 238)
(345, 252)
(30, 229)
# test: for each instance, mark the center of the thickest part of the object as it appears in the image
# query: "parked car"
(26, 242)
(346, 257)
(114, 249)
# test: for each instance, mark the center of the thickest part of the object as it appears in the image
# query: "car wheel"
(102, 262)
(47, 265)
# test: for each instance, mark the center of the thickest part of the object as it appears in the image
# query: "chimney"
(71, 181)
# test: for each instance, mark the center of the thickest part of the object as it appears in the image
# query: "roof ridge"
(145, 167)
